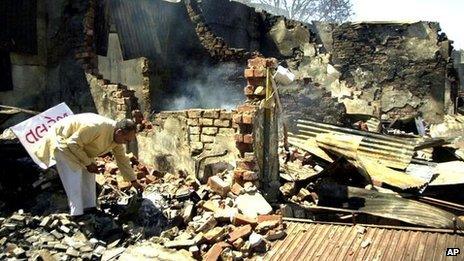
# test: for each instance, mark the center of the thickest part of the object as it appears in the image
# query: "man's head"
(124, 131)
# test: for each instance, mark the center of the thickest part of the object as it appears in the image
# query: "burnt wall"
(401, 68)
(359, 70)
(179, 138)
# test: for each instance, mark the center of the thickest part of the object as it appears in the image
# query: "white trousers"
(79, 185)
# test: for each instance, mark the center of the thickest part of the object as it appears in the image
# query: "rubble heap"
(174, 212)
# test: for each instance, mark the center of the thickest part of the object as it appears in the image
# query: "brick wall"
(257, 133)
(113, 100)
(203, 125)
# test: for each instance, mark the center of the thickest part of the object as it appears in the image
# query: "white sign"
(31, 131)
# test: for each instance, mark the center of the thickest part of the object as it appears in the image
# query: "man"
(74, 142)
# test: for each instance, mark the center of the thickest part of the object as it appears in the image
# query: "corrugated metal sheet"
(18, 19)
(391, 151)
(315, 241)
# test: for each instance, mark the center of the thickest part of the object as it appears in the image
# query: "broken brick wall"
(386, 70)
(133, 73)
(257, 137)
(179, 138)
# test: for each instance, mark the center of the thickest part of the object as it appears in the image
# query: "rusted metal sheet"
(384, 205)
(390, 151)
(316, 241)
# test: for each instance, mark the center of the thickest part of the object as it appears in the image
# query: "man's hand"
(92, 168)
(137, 185)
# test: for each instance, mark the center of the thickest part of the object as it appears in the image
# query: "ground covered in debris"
(175, 218)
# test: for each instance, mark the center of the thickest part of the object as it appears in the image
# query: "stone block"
(225, 115)
(180, 243)
(209, 130)
(253, 204)
(207, 138)
(226, 132)
(215, 234)
(195, 113)
(259, 91)
(212, 114)
(218, 185)
(193, 122)
(194, 138)
(205, 122)
(240, 232)
(222, 123)
(194, 130)
(238, 137)
(196, 146)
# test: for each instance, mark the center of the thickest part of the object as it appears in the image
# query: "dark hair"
(126, 125)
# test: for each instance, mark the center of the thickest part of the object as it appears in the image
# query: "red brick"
(246, 165)
(240, 232)
(248, 138)
(248, 73)
(240, 219)
(250, 176)
(249, 90)
(247, 118)
(239, 137)
(272, 63)
(259, 72)
(262, 218)
(213, 253)
(236, 189)
(238, 174)
(247, 108)
(258, 62)
(237, 118)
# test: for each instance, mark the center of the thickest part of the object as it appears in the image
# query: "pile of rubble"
(175, 215)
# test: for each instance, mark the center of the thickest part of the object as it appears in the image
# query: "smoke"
(218, 86)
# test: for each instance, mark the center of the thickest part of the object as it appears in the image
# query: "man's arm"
(123, 163)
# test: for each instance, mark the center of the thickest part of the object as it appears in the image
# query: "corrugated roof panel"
(391, 151)
(316, 241)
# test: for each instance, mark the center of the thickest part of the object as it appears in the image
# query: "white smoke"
(212, 87)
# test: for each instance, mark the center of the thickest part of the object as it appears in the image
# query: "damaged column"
(257, 136)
